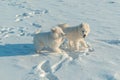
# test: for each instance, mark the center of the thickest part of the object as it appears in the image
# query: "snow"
(20, 19)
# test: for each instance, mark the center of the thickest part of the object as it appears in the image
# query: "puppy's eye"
(83, 31)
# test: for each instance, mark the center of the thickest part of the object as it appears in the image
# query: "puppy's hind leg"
(76, 45)
(57, 50)
(70, 45)
(38, 47)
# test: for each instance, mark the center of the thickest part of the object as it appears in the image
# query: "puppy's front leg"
(83, 43)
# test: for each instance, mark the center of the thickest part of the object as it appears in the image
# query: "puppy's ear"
(53, 30)
(81, 25)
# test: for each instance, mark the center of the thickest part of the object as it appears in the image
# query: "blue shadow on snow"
(16, 49)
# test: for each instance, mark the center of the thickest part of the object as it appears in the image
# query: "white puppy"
(52, 40)
(76, 35)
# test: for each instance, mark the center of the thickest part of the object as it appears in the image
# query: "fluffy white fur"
(52, 40)
(76, 35)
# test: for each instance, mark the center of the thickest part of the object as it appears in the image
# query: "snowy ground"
(19, 20)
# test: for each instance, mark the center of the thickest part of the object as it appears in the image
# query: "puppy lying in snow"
(76, 35)
(52, 40)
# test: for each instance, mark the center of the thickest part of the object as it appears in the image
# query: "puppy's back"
(63, 26)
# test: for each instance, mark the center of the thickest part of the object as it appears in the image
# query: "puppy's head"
(63, 26)
(57, 32)
(84, 29)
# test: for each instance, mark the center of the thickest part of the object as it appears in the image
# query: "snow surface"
(20, 18)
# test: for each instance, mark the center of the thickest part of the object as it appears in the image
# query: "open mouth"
(84, 36)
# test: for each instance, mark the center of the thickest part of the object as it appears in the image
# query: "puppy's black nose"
(84, 36)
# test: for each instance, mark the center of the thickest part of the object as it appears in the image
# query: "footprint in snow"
(59, 64)
(5, 32)
(45, 66)
(21, 17)
(41, 72)
(41, 12)
(111, 2)
(36, 25)
(109, 77)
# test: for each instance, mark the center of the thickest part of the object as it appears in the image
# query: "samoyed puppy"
(52, 40)
(76, 35)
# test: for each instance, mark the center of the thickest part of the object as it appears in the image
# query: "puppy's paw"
(57, 50)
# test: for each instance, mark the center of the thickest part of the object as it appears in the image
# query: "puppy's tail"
(63, 26)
